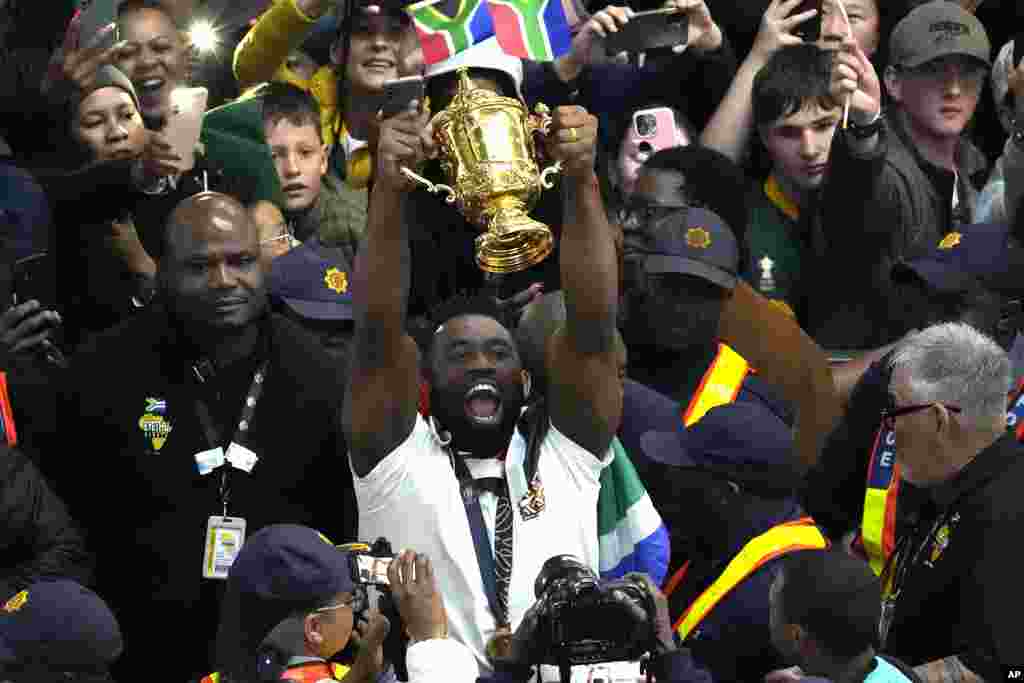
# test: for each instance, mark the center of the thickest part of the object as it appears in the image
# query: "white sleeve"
(441, 661)
(390, 479)
(583, 467)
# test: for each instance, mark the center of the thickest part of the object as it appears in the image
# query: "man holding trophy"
(488, 492)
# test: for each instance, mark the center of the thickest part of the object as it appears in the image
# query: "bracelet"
(867, 130)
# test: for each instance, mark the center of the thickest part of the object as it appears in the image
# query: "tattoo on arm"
(948, 670)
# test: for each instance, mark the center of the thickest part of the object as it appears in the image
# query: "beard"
(479, 437)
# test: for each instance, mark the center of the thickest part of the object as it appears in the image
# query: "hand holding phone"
(399, 93)
(809, 30)
(184, 125)
(650, 31)
(96, 16)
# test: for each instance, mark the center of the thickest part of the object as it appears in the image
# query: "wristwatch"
(867, 130)
(1017, 134)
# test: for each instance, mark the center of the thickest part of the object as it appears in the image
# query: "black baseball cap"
(60, 624)
(281, 570)
(692, 241)
(974, 253)
(742, 441)
(312, 282)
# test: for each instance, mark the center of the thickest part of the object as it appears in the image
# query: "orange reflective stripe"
(719, 386)
(780, 540)
(878, 522)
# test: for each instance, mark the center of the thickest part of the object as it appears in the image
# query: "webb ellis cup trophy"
(489, 158)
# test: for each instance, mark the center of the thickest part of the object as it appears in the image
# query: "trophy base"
(513, 242)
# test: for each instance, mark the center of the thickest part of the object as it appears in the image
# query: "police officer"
(291, 605)
(728, 499)
(201, 421)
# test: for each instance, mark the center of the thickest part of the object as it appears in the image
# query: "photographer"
(291, 604)
(576, 616)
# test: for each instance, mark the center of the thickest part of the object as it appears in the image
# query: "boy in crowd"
(315, 202)
(825, 607)
(796, 119)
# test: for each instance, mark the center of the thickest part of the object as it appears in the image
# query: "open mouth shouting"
(483, 404)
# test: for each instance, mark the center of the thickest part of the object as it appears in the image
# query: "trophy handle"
(551, 170)
(433, 188)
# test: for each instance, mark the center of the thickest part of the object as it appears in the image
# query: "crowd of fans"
(772, 374)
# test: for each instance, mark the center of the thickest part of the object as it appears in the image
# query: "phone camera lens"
(646, 126)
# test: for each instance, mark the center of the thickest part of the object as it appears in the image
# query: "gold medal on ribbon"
(500, 644)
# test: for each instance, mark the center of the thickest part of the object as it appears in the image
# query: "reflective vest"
(782, 539)
(719, 386)
(306, 673)
(877, 539)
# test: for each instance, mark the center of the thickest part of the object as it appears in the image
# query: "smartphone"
(34, 277)
(656, 127)
(95, 15)
(398, 93)
(810, 30)
(185, 123)
(373, 570)
(650, 31)
(1018, 48)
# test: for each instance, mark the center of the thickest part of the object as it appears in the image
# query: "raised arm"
(381, 401)
(732, 124)
(787, 359)
(586, 394)
(266, 46)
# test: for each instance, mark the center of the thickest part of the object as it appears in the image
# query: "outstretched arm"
(381, 402)
(586, 395)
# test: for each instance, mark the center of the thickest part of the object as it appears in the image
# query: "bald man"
(207, 406)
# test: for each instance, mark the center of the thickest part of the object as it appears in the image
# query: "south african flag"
(447, 27)
(534, 29)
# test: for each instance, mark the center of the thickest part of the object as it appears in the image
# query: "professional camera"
(581, 619)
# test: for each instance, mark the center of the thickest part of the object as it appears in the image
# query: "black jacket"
(962, 596)
(38, 539)
(144, 504)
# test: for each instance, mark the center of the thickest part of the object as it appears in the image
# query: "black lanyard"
(212, 434)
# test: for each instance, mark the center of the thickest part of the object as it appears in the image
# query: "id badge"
(224, 539)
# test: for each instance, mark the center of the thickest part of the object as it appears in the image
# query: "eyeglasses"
(354, 602)
(890, 414)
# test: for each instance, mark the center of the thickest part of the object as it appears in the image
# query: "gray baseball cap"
(936, 29)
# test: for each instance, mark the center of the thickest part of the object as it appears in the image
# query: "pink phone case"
(185, 123)
(664, 137)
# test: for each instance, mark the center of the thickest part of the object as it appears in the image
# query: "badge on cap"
(15, 603)
(336, 280)
(154, 424)
(950, 240)
(698, 238)
(767, 282)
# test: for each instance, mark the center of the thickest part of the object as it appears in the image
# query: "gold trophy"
(488, 154)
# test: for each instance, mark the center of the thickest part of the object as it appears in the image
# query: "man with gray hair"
(952, 601)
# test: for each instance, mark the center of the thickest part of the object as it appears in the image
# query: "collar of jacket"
(986, 466)
(337, 218)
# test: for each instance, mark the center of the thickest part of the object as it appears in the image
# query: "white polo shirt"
(412, 498)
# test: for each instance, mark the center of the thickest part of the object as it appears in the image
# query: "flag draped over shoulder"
(631, 535)
(531, 29)
(447, 27)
